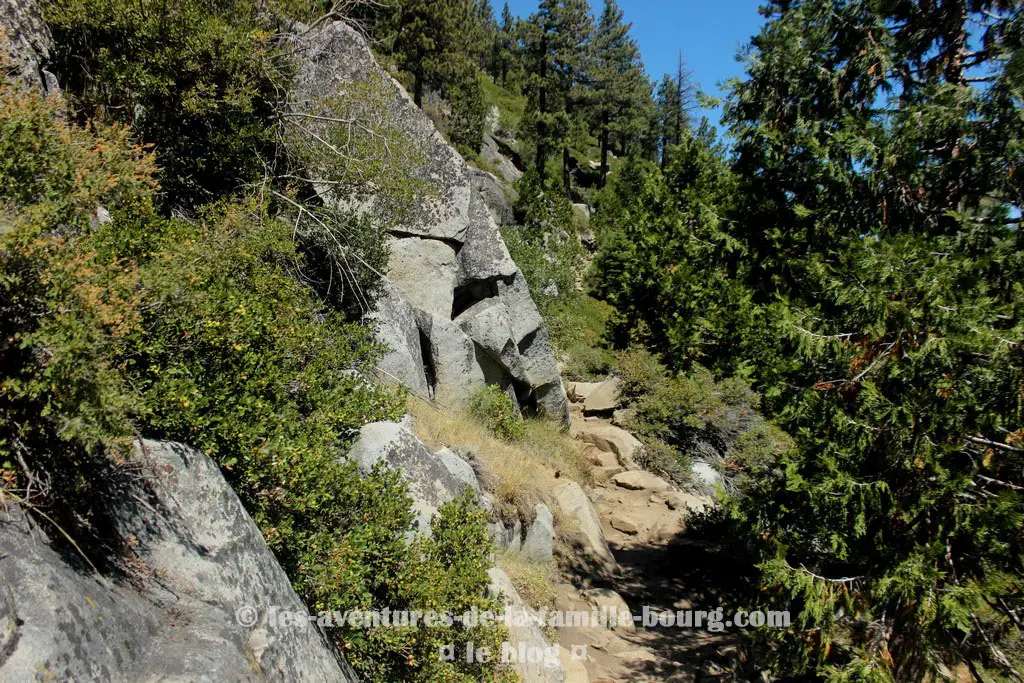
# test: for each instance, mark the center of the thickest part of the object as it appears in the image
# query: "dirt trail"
(643, 518)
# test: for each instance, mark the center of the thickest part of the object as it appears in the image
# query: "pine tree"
(558, 56)
(675, 102)
(505, 47)
(483, 30)
(572, 61)
(619, 79)
(537, 124)
(877, 204)
(441, 45)
(424, 36)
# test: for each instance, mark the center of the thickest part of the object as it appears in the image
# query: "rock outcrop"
(612, 604)
(433, 478)
(497, 196)
(197, 608)
(531, 654)
(448, 262)
(540, 537)
(706, 475)
(609, 438)
(604, 398)
(534, 542)
(28, 44)
(576, 506)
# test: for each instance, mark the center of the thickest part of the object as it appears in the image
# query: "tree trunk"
(955, 37)
(542, 109)
(540, 160)
(566, 176)
(604, 149)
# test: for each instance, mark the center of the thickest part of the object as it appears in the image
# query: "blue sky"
(709, 32)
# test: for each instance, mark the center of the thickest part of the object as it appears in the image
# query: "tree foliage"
(443, 45)
(619, 80)
(860, 260)
(196, 79)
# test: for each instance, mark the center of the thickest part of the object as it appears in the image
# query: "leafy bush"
(495, 410)
(343, 253)
(549, 262)
(640, 371)
(373, 161)
(683, 416)
(195, 78)
(200, 332)
(577, 325)
(690, 410)
(664, 460)
(65, 308)
(547, 249)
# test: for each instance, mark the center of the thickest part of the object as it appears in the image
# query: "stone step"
(603, 474)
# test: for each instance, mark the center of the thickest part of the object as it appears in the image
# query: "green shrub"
(493, 408)
(640, 371)
(373, 162)
(680, 417)
(577, 326)
(200, 332)
(241, 361)
(65, 308)
(583, 362)
(198, 79)
(665, 460)
(343, 254)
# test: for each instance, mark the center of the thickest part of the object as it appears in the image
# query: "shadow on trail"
(686, 575)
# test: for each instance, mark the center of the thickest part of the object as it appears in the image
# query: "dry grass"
(526, 470)
(533, 580)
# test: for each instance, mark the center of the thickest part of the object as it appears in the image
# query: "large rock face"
(28, 43)
(447, 255)
(197, 609)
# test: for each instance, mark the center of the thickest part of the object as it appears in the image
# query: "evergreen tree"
(571, 59)
(538, 126)
(505, 47)
(418, 36)
(440, 44)
(866, 271)
(484, 29)
(666, 104)
(558, 52)
(675, 102)
(619, 79)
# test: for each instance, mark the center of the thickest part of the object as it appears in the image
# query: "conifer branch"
(995, 444)
(847, 580)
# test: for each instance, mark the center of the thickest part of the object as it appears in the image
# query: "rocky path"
(643, 518)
